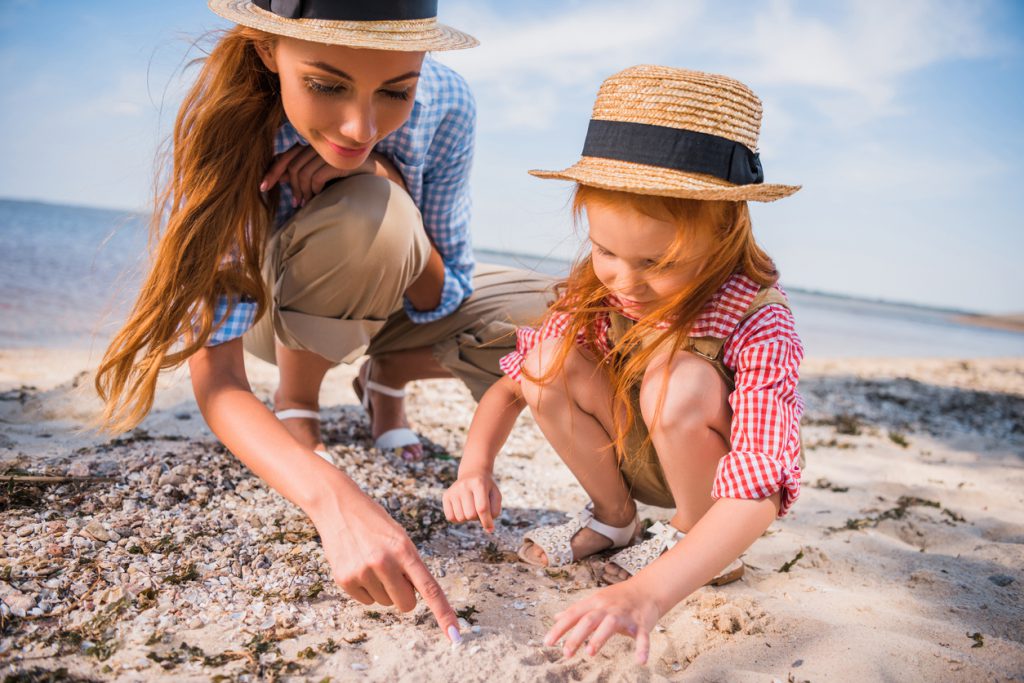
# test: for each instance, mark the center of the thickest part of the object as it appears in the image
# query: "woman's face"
(343, 100)
(629, 248)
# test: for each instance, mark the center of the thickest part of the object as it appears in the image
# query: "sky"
(902, 121)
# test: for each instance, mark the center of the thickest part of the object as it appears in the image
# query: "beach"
(165, 559)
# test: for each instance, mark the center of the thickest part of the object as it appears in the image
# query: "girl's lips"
(348, 151)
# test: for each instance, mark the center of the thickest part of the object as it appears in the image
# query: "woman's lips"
(348, 151)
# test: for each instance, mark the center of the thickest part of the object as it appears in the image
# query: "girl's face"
(343, 100)
(629, 248)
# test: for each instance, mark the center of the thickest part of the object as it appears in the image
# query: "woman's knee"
(684, 391)
(362, 223)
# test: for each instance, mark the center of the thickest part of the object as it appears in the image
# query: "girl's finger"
(579, 633)
(495, 500)
(460, 514)
(483, 507)
(565, 620)
(607, 628)
(446, 503)
(643, 646)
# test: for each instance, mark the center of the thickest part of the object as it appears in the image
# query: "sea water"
(70, 273)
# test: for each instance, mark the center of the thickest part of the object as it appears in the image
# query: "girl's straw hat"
(403, 25)
(674, 133)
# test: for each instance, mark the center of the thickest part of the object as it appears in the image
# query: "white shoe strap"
(381, 389)
(668, 534)
(293, 413)
(619, 536)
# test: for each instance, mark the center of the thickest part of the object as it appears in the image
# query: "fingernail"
(454, 635)
(295, 202)
(263, 186)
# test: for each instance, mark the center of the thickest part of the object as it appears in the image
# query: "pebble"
(518, 604)
(19, 603)
(473, 650)
(96, 531)
(359, 666)
(79, 468)
(1001, 580)
(476, 629)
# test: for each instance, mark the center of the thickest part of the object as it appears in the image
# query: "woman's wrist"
(328, 493)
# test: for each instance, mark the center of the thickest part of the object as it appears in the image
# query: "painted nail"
(263, 186)
(454, 635)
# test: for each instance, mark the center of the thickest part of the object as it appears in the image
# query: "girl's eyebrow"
(324, 66)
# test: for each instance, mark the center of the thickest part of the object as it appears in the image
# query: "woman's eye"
(323, 88)
(402, 95)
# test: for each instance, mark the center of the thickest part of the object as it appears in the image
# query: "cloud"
(847, 60)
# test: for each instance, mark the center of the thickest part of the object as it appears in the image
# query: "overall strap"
(711, 348)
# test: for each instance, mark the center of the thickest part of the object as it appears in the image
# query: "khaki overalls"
(639, 464)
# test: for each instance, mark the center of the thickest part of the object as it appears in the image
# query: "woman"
(343, 92)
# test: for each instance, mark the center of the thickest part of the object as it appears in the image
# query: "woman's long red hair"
(209, 223)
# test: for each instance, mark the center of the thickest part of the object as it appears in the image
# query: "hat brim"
(414, 35)
(626, 176)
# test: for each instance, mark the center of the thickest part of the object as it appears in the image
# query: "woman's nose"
(359, 124)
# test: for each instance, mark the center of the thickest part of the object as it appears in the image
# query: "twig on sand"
(41, 479)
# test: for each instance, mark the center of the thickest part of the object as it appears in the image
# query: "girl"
(379, 261)
(666, 372)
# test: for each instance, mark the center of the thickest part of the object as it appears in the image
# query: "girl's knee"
(687, 388)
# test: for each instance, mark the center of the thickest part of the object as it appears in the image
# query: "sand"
(902, 560)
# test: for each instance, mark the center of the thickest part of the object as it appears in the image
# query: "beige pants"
(336, 273)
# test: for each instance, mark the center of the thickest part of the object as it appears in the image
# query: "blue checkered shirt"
(433, 151)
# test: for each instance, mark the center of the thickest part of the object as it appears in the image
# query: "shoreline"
(906, 543)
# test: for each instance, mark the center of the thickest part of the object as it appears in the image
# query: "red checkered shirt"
(764, 352)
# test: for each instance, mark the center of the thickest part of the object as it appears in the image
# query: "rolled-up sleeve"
(765, 434)
(446, 204)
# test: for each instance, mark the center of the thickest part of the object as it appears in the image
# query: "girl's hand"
(373, 560)
(473, 496)
(624, 608)
(307, 172)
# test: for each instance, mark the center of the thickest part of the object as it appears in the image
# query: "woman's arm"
(475, 495)
(371, 556)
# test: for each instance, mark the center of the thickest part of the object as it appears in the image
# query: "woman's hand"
(372, 558)
(473, 496)
(626, 608)
(307, 173)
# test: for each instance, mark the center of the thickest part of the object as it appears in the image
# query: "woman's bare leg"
(689, 430)
(395, 369)
(574, 411)
(301, 373)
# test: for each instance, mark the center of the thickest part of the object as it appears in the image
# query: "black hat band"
(674, 148)
(351, 10)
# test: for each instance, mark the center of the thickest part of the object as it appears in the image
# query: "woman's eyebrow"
(324, 66)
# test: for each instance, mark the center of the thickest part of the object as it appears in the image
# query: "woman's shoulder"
(444, 88)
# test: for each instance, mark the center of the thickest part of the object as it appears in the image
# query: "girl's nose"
(359, 124)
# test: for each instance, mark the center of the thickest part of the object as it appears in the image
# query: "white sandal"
(663, 537)
(393, 439)
(556, 541)
(301, 414)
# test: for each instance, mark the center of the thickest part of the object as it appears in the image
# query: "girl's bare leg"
(574, 412)
(690, 431)
(395, 370)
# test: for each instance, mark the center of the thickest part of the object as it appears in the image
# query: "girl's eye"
(660, 266)
(402, 95)
(322, 88)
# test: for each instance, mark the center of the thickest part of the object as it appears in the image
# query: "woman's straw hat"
(403, 25)
(675, 133)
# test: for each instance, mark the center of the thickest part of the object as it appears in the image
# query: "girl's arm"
(475, 495)
(633, 607)
(371, 556)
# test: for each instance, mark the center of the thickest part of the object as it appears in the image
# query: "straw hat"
(403, 25)
(675, 133)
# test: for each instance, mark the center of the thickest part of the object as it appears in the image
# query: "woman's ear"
(265, 49)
